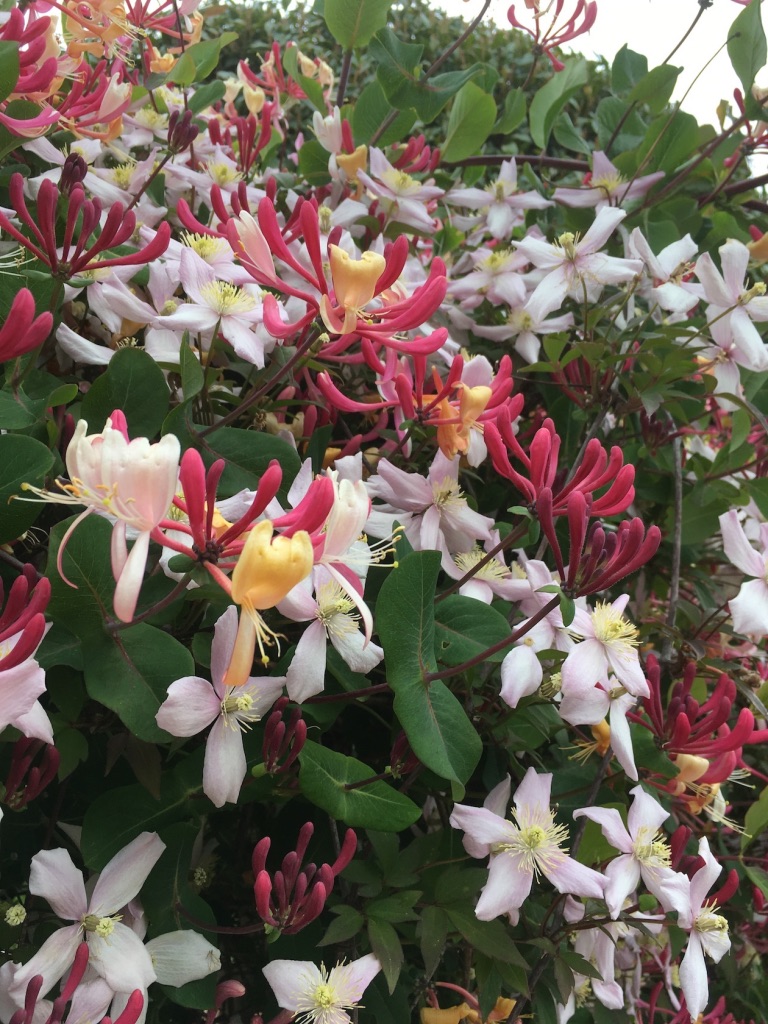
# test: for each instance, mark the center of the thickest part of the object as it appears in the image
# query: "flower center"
(222, 174)
(122, 175)
(233, 705)
(612, 628)
(709, 921)
(324, 996)
(537, 844)
(651, 849)
(227, 299)
(493, 571)
(101, 926)
(206, 246)
(567, 242)
(520, 321)
(324, 219)
(608, 183)
(497, 260)
(448, 495)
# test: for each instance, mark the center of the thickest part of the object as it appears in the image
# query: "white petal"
(54, 877)
(122, 879)
(182, 956)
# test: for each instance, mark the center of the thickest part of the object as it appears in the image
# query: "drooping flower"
(609, 646)
(193, 704)
(530, 845)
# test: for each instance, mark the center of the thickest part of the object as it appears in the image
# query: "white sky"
(653, 27)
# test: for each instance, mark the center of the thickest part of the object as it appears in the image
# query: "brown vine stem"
(254, 396)
(703, 5)
(343, 78)
(433, 67)
(677, 544)
(555, 162)
(334, 698)
(527, 626)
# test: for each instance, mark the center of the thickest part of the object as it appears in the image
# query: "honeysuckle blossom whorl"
(131, 482)
(193, 704)
(316, 995)
(529, 846)
(117, 954)
(267, 569)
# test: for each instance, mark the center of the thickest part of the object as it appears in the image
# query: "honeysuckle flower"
(609, 645)
(267, 569)
(354, 285)
(707, 930)
(317, 995)
(732, 302)
(131, 482)
(194, 703)
(575, 266)
(117, 954)
(529, 846)
(749, 609)
(606, 186)
(644, 850)
(502, 205)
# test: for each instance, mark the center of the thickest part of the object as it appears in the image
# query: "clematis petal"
(225, 764)
(182, 956)
(54, 957)
(349, 981)
(190, 707)
(122, 879)
(693, 977)
(521, 675)
(568, 875)
(54, 877)
(507, 888)
(290, 979)
(121, 959)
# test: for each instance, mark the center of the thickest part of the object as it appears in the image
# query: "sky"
(653, 27)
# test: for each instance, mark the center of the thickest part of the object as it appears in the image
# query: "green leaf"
(747, 47)
(489, 937)
(566, 135)
(324, 776)
(354, 22)
(551, 98)
(23, 460)
(117, 816)
(313, 163)
(84, 607)
(200, 60)
(656, 87)
(433, 932)
(134, 383)
(470, 122)
(130, 672)
(515, 109)
(371, 110)
(386, 945)
(438, 730)
(206, 95)
(628, 69)
(395, 908)
(192, 373)
(465, 627)
(347, 924)
(9, 68)
(18, 410)
(397, 73)
(669, 142)
(248, 453)
(755, 820)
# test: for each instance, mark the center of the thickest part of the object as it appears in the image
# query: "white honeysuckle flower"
(316, 995)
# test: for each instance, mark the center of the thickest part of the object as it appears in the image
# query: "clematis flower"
(193, 704)
(501, 203)
(606, 186)
(529, 846)
(117, 954)
(645, 853)
(609, 645)
(749, 609)
(707, 930)
(317, 994)
(574, 266)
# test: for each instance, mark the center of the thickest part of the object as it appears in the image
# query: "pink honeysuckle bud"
(26, 781)
(23, 331)
(283, 741)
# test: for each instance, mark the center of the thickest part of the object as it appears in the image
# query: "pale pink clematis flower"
(584, 703)
(193, 704)
(668, 271)
(609, 646)
(530, 845)
(402, 197)
(575, 266)
(502, 205)
(644, 850)
(735, 304)
(749, 609)
(606, 186)
(707, 930)
(117, 954)
(131, 482)
(316, 994)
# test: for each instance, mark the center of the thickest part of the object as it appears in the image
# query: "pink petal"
(570, 876)
(521, 675)
(611, 825)
(693, 977)
(122, 879)
(622, 876)
(351, 980)
(52, 960)
(481, 825)
(749, 609)
(225, 764)
(224, 636)
(306, 673)
(121, 959)
(507, 888)
(737, 548)
(533, 792)
(190, 707)
(54, 877)
(290, 979)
